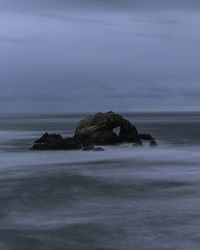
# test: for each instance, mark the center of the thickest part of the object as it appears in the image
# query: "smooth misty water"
(120, 199)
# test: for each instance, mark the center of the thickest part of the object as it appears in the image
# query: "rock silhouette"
(56, 142)
(97, 129)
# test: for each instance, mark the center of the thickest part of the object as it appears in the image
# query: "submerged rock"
(92, 148)
(87, 148)
(138, 143)
(98, 149)
(98, 129)
(153, 143)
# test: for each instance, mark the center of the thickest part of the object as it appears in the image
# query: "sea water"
(124, 198)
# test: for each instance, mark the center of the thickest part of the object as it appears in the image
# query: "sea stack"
(97, 129)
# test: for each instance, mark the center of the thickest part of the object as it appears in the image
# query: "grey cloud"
(153, 35)
(15, 40)
(97, 60)
(106, 5)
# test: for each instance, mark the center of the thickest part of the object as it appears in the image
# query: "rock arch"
(98, 129)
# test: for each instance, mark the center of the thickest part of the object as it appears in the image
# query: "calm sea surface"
(124, 198)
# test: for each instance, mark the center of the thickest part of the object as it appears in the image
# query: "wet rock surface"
(98, 129)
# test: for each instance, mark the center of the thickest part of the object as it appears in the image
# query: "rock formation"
(56, 142)
(98, 129)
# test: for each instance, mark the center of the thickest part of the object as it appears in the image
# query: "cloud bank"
(66, 56)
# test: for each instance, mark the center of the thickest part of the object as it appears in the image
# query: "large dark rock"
(98, 129)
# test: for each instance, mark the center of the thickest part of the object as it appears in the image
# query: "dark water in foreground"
(121, 199)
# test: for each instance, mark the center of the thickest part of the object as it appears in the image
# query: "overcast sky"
(97, 55)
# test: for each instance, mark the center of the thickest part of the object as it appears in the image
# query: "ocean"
(124, 198)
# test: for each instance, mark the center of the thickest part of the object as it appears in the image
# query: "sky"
(98, 55)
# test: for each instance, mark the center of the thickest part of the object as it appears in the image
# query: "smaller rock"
(147, 137)
(47, 138)
(88, 148)
(56, 142)
(153, 143)
(138, 143)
